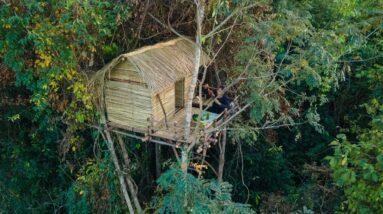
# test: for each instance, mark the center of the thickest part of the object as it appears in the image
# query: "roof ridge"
(155, 46)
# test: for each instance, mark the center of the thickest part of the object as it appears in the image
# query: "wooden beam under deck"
(143, 138)
(164, 134)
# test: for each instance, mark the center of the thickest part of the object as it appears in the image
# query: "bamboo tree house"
(145, 91)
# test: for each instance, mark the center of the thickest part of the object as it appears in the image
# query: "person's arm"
(210, 92)
(217, 102)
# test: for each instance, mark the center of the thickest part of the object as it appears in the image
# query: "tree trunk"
(128, 178)
(120, 175)
(222, 148)
(184, 160)
(197, 63)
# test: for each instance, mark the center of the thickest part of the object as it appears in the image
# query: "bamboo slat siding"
(128, 104)
(167, 98)
(128, 86)
(126, 71)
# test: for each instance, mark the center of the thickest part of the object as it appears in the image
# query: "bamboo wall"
(167, 97)
(125, 71)
(128, 104)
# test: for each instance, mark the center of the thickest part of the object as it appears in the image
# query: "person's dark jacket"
(219, 108)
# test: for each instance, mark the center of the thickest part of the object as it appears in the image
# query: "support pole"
(157, 148)
(120, 175)
(176, 154)
(129, 179)
(222, 148)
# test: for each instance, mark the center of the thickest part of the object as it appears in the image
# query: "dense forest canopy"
(307, 136)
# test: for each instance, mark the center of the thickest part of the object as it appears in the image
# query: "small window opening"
(180, 94)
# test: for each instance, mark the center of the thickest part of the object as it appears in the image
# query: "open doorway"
(179, 94)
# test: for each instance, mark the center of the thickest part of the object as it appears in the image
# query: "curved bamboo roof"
(162, 64)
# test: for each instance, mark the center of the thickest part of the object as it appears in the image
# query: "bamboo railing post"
(150, 129)
(157, 148)
(175, 130)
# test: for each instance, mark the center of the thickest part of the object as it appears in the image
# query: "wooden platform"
(175, 127)
(205, 102)
(173, 130)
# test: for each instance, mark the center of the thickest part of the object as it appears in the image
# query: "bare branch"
(143, 18)
(168, 27)
(211, 33)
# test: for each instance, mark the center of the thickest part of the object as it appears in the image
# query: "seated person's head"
(220, 91)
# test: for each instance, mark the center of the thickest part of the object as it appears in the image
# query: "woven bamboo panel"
(168, 102)
(129, 84)
(128, 104)
(126, 71)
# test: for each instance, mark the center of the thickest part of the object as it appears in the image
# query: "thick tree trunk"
(197, 63)
(128, 178)
(222, 148)
(120, 175)
(184, 160)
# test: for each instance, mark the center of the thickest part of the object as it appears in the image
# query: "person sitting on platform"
(221, 102)
(207, 92)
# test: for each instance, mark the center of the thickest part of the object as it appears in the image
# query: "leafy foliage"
(301, 64)
(47, 45)
(184, 193)
(306, 70)
(358, 170)
(357, 159)
(94, 189)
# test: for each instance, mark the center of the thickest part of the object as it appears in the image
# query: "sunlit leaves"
(48, 43)
(358, 169)
(43, 60)
(94, 188)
